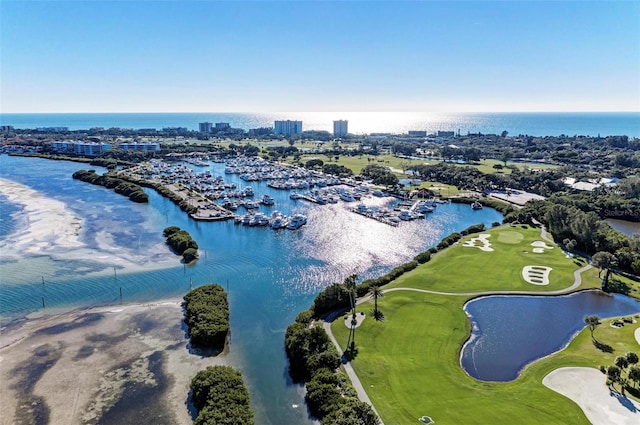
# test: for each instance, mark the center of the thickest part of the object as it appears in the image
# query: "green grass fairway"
(409, 366)
(464, 269)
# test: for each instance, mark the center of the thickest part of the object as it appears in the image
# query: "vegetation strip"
(120, 186)
(207, 316)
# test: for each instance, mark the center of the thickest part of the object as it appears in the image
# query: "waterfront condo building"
(340, 128)
(205, 127)
(287, 127)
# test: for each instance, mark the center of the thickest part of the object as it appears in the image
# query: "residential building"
(222, 125)
(417, 133)
(140, 146)
(81, 148)
(340, 128)
(205, 127)
(287, 127)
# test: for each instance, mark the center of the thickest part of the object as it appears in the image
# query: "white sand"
(586, 387)
(540, 247)
(637, 335)
(359, 319)
(483, 239)
(50, 226)
(539, 273)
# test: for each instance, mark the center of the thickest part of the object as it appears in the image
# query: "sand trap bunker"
(586, 387)
(349, 317)
(510, 237)
(482, 239)
(637, 335)
(539, 246)
(536, 275)
(426, 420)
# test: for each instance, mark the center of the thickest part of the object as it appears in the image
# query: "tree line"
(120, 186)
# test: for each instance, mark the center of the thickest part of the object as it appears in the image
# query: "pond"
(510, 332)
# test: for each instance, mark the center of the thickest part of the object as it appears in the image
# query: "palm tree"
(593, 322)
(604, 261)
(621, 362)
(350, 284)
(634, 374)
(376, 293)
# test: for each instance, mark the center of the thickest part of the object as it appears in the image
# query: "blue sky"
(480, 56)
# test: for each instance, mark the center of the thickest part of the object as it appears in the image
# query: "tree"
(621, 362)
(376, 293)
(632, 358)
(592, 322)
(350, 284)
(613, 373)
(634, 374)
(604, 261)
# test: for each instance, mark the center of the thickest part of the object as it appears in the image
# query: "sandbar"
(48, 229)
(110, 364)
(587, 388)
(50, 226)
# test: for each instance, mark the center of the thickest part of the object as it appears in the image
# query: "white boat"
(278, 222)
(378, 193)
(295, 196)
(346, 196)
(267, 200)
(406, 215)
(296, 221)
(476, 206)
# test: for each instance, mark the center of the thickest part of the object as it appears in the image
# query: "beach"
(110, 364)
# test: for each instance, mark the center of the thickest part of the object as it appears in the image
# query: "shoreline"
(49, 229)
(119, 355)
(49, 224)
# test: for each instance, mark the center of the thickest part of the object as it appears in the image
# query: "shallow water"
(271, 276)
(510, 332)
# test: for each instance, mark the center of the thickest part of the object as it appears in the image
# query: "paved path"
(362, 394)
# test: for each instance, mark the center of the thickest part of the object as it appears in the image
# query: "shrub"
(221, 397)
(207, 316)
(423, 257)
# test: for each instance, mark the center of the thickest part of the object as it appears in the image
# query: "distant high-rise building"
(287, 127)
(222, 125)
(204, 127)
(340, 128)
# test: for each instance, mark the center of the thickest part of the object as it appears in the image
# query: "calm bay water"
(510, 332)
(271, 276)
(535, 124)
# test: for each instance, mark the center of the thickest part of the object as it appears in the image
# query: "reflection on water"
(627, 227)
(271, 275)
(510, 332)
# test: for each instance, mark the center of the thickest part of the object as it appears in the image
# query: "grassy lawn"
(357, 163)
(468, 269)
(408, 364)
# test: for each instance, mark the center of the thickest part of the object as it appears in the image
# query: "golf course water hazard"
(510, 332)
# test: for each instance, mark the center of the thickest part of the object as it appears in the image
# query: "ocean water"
(535, 124)
(271, 276)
